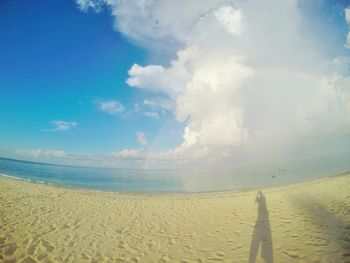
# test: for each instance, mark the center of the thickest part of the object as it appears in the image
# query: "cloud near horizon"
(126, 158)
(60, 155)
(127, 154)
(37, 153)
(244, 79)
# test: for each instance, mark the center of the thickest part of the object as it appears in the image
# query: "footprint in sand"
(85, 256)
(77, 221)
(66, 226)
(150, 244)
(122, 244)
(68, 238)
(171, 241)
(291, 253)
(28, 260)
(48, 246)
(42, 256)
(2, 240)
(71, 243)
(135, 260)
(220, 254)
(217, 256)
(10, 249)
(164, 258)
(189, 247)
(68, 258)
(42, 246)
(31, 249)
(119, 231)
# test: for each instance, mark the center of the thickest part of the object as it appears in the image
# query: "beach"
(306, 222)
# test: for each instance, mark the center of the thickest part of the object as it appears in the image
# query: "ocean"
(181, 180)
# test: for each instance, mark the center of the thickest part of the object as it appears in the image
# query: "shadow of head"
(260, 198)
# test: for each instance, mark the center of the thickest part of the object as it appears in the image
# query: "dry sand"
(307, 222)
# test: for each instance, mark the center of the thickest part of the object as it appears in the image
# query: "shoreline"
(170, 193)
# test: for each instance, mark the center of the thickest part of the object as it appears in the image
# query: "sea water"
(179, 180)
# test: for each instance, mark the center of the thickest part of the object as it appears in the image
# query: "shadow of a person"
(262, 233)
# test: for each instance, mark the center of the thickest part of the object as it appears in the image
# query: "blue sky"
(125, 80)
(55, 62)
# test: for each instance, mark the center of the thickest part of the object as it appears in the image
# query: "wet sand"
(308, 222)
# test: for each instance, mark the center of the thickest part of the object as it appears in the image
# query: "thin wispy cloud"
(347, 19)
(148, 102)
(112, 107)
(160, 102)
(150, 108)
(96, 5)
(141, 138)
(151, 114)
(60, 125)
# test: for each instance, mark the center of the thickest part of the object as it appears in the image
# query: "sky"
(167, 84)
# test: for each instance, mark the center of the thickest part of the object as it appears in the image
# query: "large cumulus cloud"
(244, 78)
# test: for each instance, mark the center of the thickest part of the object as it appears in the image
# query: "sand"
(308, 222)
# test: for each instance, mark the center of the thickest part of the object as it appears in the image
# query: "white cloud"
(347, 15)
(148, 102)
(153, 107)
(157, 79)
(244, 79)
(85, 5)
(230, 18)
(145, 76)
(112, 107)
(149, 24)
(141, 138)
(151, 114)
(347, 19)
(161, 102)
(62, 125)
(347, 43)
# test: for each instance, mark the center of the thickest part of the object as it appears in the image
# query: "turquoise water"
(185, 180)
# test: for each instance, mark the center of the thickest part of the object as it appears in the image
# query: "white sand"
(308, 222)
